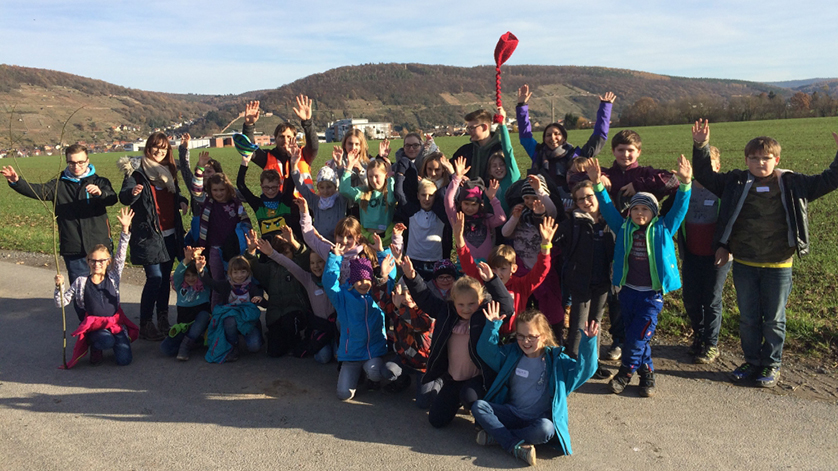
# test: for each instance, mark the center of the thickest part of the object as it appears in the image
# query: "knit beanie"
(444, 267)
(645, 199)
(360, 269)
(327, 174)
(243, 144)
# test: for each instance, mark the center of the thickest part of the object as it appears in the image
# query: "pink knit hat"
(360, 269)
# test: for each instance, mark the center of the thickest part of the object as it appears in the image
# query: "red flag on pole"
(503, 51)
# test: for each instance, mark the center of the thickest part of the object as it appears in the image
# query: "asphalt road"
(262, 413)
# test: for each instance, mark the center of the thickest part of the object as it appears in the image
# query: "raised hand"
(460, 168)
(591, 329)
(384, 148)
(203, 159)
(835, 136)
(251, 238)
(685, 170)
(609, 97)
(251, 112)
(485, 271)
(188, 254)
(200, 262)
(296, 155)
(265, 247)
(337, 157)
(548, 229)
(302, 204)
(407, 268)
(446, 164)
(93, 190)
(502, 113)
(59, 279)
(288, 236)
(458, 223)
(303, 109)
(377, 243)
(387, 265)
(398, 229)
(594, 171)
(492, 311)
(492, 190)
(701, 131)
(126, 214)
(524, 94)
(538, 207)
(517, 210)
(10, 174)
(184, 140)
(136, 190)
(535, 183)
(398, 295)
(339, 249)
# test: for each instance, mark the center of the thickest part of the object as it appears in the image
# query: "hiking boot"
(484, 439)
(743, 372)
(614, 353)
(524, 452)
(397, 385)
(707, 355)
(96, 357)
(647, 381)
(233, 355)
(163, 325)
(149, 332)
(768, 377)
(619, 382)
(602, 373)
(185, 346)
(696, 347)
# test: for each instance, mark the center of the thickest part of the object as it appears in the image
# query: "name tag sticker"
(318, 292)
(522, 372)
(709, 202)
(762, 189)
(382, 228)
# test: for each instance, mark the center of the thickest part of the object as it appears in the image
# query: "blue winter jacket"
(566, 374)
(363, 334)
(663, 262)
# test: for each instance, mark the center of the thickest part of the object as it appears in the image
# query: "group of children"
(372, 284)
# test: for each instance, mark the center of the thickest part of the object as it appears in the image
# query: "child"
(322, 330)
(223, 224)
(236, 314)
(502, 261)
(645, 268)
(435, 167)
(483, 143)
(429, 234)
(328, 205)
(193, 308)
(527, 403)
(104, 324)
(465, 376)
(353, 148)
(703, 280)
(408, 160)
(554, 155)
(762, 222)
(443, 278)
(501, 165)
(377, 199)
(587, 247)
(363, 338)
(479, 226)
(273, 208)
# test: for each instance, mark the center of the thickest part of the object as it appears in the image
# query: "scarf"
(554, 160)
(327, 203)
(159, 175)
(475, 230)
(68, 175)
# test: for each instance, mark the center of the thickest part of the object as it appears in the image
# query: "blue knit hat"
(243, 145)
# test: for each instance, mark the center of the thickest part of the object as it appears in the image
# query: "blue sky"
(232, 47)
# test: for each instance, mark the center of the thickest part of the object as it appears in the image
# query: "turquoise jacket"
(381, 207)
(566, 374)
(663, 262)
(513, 174)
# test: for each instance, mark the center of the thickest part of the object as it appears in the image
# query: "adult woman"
(151, 189)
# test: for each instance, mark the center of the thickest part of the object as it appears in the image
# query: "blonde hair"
(367, 194)
(501, 255)
(425, 183)
(542, 325)
(467, 284)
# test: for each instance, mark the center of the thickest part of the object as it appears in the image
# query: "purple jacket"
(657, 182)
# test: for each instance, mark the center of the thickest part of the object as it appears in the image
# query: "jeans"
(350, 372)
(585, 307)
(508, 429)
(761, 294)
(451, 396)
(425, 393)
(253, 339)
(156, 289)
(76, 267)
(703, 285)
(639, 310)
(103, 339)
(170, 345)
(325, 355)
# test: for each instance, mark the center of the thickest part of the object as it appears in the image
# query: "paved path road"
(263, 413)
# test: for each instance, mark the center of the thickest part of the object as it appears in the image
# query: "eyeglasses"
(474, 127)
(412, 146)
(586, 197)
(101, 261)
(78, 163)
(527, 338)
(270, 187)
(761, 160)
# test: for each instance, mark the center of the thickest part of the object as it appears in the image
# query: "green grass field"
(808, 147)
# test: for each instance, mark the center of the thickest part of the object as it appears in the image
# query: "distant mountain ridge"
(795, 84)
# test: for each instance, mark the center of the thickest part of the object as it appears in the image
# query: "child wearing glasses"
(527, 403)
(483, 143)
(104, 326)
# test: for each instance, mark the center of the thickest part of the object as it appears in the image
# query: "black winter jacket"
(796, 190)
(446, 317)
(81, 217)
(575, 237)
(148, 246)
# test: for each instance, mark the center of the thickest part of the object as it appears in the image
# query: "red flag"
(503, 51)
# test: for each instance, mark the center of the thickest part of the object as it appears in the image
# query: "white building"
(335, 131)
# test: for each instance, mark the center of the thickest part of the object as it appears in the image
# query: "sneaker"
(149, 332)
(183, 351)
(603, 373)
(96, 357)
(233, 355)
(398, 385)
(769, 376)
(525, 453)
(484, 439)
(745, 371)
(163, 325)
(696, 347)
(614, 353)
(707, 355)
(619, 382)
(647, 381)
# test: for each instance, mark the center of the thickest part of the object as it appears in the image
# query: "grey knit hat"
(645, 199)
(327, 174)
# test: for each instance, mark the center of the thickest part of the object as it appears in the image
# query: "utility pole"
(552, 111)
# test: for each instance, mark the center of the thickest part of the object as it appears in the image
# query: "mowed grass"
(808, 147)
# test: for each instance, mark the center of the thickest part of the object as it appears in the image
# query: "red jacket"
(113, 323)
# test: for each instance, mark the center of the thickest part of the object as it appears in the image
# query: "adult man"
(81, 200)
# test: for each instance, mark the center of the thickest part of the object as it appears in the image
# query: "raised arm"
(422, 296)
(824, 182)
(183, 161)
(254, 201)
(513, 173)
(522, 115)
(303, 110)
